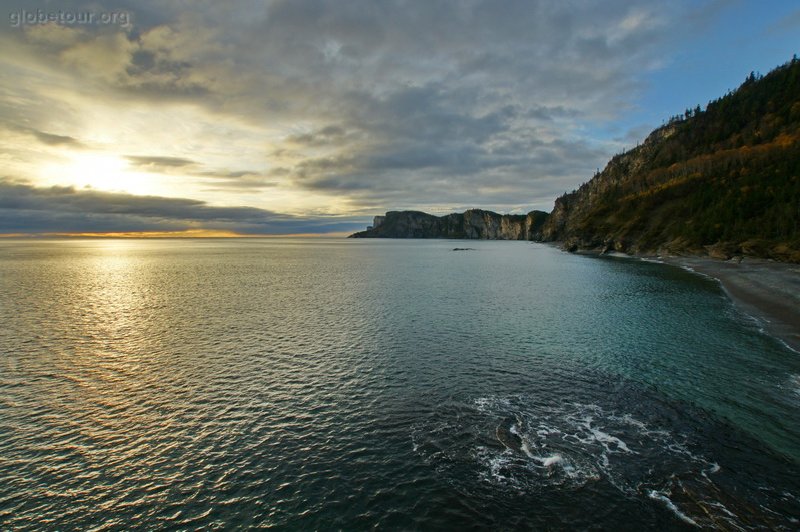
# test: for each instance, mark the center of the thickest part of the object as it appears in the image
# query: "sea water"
(334, 383)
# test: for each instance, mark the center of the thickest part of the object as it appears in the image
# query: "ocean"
(392, 384)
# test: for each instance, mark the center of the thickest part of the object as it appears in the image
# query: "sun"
(97, 170)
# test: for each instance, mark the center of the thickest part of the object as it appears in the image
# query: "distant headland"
(471, 224)
(723, 181)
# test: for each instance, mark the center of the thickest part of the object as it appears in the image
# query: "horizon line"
(187, 234)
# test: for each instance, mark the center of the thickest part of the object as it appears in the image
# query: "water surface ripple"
(324, 384)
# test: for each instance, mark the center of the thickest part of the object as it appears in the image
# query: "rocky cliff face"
(472, 224)
(567, 221)
(724, 181)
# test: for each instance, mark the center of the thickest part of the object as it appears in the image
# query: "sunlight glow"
(100, 171)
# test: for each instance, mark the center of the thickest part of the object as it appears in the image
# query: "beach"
(766, 290)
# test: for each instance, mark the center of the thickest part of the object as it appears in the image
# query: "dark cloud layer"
(55, 140)
(155, 162)
(24, 208)
(44, 137)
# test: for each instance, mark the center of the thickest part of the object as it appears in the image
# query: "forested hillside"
(724, 180)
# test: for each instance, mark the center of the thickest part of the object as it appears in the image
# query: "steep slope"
(471, 224)
(725, 181)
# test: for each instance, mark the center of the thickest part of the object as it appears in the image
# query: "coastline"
(765, 290)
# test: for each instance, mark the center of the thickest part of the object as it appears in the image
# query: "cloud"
(241, 179)
(362, 104)
(158, 162)
(48, 139)
(327, 136)
(56, 140)
(25, 208)
(220, 179)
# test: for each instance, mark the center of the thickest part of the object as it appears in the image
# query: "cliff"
(471, 224)
(723, 181)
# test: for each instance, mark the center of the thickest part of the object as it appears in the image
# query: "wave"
(517, 444)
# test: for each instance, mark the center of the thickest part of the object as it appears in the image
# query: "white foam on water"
(657, 495)
(794, 382)
(526, 447)
(551, 460)
(606, 439)
(486, 404)
(573, 442)
(527, 450)
(707, 276)
(498, 467)
(628, 419)
(606, 462)
(791, 387)
(787, 346)
(723, 508)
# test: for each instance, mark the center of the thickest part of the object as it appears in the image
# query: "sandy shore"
(766, 290)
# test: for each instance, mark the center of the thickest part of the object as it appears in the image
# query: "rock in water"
(508, 434)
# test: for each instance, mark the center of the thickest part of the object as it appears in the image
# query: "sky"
(311, 117)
